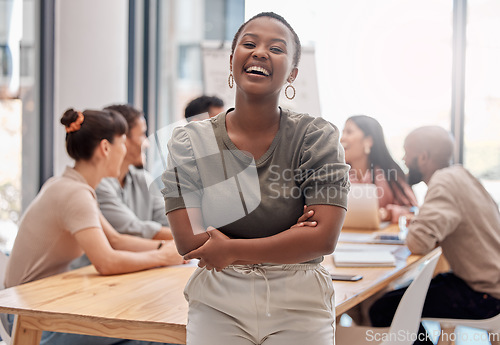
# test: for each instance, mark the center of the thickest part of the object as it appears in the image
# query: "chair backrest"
(4, 260)
(407, 317)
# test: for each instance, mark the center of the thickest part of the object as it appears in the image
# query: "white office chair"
(4, 259)
(491, 325)
(405, 324)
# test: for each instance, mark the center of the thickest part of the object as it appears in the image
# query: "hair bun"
(69, 117)
(73, 121)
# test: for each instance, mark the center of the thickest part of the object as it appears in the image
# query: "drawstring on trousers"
(258, 270)
(262, 269)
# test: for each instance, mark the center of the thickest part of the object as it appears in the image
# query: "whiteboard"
(216, 73)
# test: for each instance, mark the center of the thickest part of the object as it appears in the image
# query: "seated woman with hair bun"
(371, 162)
(64, 220)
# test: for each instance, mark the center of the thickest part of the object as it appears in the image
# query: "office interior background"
(407, 63)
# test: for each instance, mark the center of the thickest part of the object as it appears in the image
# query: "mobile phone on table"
(388, 237)
(346, 277)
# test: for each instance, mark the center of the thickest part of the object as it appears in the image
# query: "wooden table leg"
(22, 335)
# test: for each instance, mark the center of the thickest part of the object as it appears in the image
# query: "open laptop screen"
(362, 207)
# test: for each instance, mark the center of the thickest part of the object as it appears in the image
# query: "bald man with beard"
(459, 215)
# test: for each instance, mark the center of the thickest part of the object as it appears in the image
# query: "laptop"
(362, 207)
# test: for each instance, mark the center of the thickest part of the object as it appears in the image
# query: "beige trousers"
(261, 304)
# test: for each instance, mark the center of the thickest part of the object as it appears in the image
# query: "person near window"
(370, 160)
(203, 105)
(234, 188)
(128, 203)
(459, 215)
(64, 220)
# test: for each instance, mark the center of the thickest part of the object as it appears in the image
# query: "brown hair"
(130, 114)
(380, 158)
(96, 126)
(201, 105)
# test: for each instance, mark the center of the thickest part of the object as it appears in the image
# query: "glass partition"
(482, 94)
(18, 123)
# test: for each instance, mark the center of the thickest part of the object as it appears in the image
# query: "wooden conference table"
(147, 305)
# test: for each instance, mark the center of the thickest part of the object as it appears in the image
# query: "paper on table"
(355, 237)
(367, 238)
(367, 247)
(191, 263)
(364, 259)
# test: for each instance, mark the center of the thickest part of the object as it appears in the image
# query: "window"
(183, 26)
(18, 124)
(387, 59)
(482, 94)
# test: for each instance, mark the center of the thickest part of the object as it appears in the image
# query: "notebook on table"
(374, 238)
(364, 259)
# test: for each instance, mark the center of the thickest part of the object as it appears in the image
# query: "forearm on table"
(125, 221)
(126, 242)
(125, 262)
(106, 250)
(164, 234)
(419, 242)
(133, 243)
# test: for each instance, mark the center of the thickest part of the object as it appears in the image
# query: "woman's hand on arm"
(214, 253)
(212, 249)
(304, 219)
(298, 244)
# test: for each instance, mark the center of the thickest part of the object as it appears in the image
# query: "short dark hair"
(201, 105)
(130, 113)
(96, 126)
(298, 46)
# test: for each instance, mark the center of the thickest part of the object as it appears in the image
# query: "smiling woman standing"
(260, 278)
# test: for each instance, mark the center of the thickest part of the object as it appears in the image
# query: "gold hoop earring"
(230, 80)
(286, 91)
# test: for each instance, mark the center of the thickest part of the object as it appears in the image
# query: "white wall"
(91, 39)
